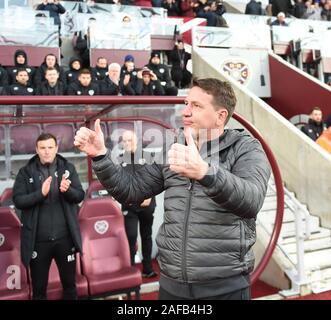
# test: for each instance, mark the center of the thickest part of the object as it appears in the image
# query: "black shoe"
(151, 274)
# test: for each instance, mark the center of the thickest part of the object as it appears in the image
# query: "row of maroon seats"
(103, 269)
(23, 137)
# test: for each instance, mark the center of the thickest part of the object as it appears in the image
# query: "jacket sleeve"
(61, 9)
(21, 198)
(241, 190)
(127, 187)
(75, 193)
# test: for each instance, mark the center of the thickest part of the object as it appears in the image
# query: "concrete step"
(315, 260)
(319, 234)
(310, 245)
(288, 227)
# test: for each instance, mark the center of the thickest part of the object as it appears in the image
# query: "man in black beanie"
(162, 73)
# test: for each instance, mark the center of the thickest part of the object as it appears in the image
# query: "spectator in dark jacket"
(148, 84)
(71, 75)
(21, 87)
(55, 8)
(253, 7)
(129, 73)
(281, 6)
(100, 72)
(84, 86)
(3, 78)
(299, 9)
(215, 181)
(179, 58)
(110, 86)
(52, 86)
(142, 213)
(50, 61)
(326, 11)
(48, 192)
(315, 126)
(162, 73)
(280, 21)
(172, 7)
(20, 62)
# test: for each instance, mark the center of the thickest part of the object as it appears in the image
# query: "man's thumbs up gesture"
(186, 160)
(91, 142)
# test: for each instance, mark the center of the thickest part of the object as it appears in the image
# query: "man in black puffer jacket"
(48, 191)
(214, 185)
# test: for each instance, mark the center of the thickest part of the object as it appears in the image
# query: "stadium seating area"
(103, 270)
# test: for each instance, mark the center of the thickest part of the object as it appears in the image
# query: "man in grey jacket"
(214, 184)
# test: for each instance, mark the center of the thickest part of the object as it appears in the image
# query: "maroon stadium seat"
(13, 275)
(23, 138)
(95, 190)
(54, 289)
(64, 134)
(6, 195)
(106, 260)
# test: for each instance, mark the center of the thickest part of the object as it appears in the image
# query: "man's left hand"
(65, 184)
(186, 160)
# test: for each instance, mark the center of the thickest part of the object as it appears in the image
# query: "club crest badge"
(101, 226)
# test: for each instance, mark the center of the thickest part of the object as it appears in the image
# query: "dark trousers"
(63, 253)
(242, 294)
(145, 227)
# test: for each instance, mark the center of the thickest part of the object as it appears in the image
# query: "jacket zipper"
(187, 213)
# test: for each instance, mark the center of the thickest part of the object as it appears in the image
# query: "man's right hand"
(91, 142)
(46, 186)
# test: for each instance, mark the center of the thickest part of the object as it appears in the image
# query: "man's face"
(75, 65)
(155, 60)
(50, 61)
(20, 59)
(129, 140)
(281, 18)
(146, 79)
(180, 45)
(316, 115)
(114, 73)
(199, 112)
(129, 65)
(102, 63)
(85, 79)
(52, 76)
(46, 151)
(22, 77)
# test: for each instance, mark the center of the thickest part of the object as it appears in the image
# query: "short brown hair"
(222, 92)
(51, 69)
(85, 71)
(315, 109)
(46, 136)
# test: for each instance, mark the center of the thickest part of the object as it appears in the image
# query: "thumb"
(97, 127)
(188, 136)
